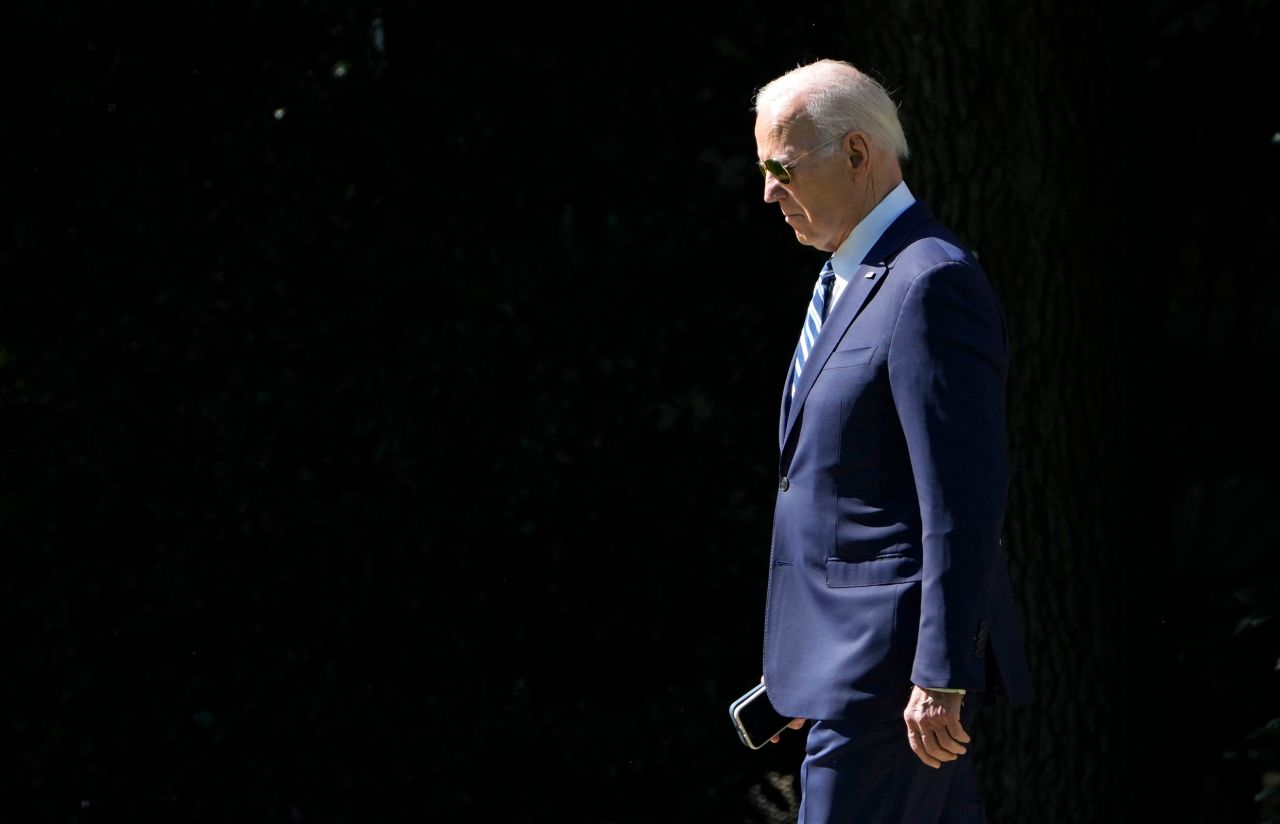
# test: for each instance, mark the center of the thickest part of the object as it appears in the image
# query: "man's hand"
(933, 726)
(796, 723)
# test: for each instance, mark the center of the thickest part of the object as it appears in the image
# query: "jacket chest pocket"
(844, 358)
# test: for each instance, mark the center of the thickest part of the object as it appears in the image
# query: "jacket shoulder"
(931, 245)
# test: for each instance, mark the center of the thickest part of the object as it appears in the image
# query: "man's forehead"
(786, 121)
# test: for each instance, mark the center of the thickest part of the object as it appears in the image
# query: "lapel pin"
(870, 275)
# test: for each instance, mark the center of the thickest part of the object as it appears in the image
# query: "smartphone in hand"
(755, 719)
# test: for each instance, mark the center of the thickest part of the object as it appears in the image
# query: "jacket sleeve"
(948, 362)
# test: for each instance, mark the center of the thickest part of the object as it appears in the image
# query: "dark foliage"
(388, 409)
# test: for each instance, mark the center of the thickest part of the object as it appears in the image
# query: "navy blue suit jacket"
(887, 567)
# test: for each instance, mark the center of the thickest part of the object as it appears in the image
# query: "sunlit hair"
(839, 99)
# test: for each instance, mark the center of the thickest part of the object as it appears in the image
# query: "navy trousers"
(864, 772)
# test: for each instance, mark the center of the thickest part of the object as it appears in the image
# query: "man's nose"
(773, 190)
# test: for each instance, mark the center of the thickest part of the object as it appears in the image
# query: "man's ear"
(856, 149)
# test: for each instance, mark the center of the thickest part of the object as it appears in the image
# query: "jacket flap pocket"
(896, 569)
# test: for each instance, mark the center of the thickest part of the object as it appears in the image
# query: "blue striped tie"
(813, 321)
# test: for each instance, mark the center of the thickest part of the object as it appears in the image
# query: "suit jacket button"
(783, 483)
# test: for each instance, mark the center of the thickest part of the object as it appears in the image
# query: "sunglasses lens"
(776, 169)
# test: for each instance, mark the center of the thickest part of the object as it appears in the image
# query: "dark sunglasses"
(782, 171)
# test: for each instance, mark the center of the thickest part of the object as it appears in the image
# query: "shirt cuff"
(944, 689)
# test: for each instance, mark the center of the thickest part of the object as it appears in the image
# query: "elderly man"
(888, 598)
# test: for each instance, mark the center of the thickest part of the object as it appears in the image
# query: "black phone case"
(755, 719)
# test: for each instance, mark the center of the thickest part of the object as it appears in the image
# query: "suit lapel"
(856, 294)
(864, 282)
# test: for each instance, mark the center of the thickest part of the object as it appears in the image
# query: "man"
(888, 598)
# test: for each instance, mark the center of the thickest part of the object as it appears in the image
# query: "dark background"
(388, 401)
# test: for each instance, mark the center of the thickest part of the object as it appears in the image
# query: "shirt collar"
(859, 242)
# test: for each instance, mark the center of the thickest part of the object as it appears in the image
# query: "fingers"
(916, 740)
(956, 730)
(934, 747)
(947, 734)
(934, 730)
(795, 723)
(944, 740)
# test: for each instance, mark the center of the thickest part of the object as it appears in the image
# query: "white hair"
(839, 99)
